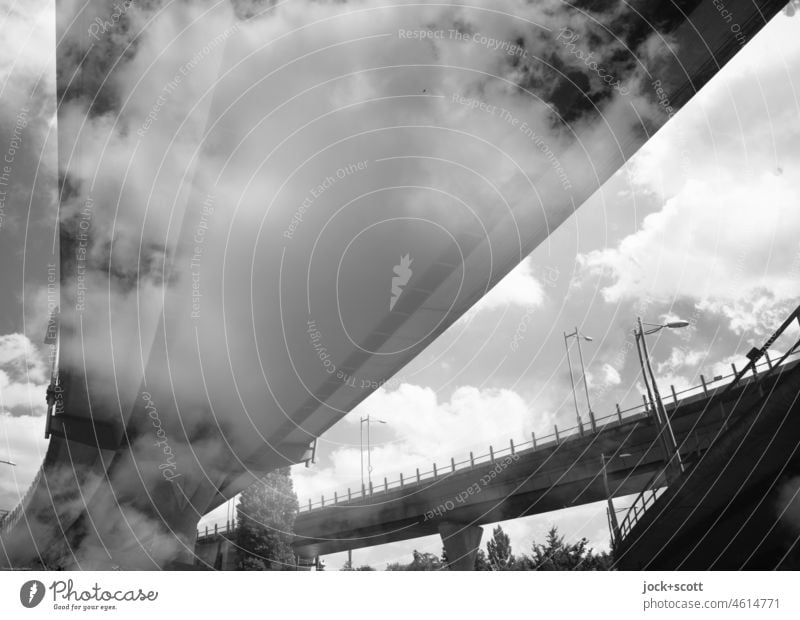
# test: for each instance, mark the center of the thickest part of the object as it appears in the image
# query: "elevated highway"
(734, 508)
(540, 475)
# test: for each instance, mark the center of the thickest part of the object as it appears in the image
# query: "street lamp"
(577, 335)
(369, 451)
(612, 513)
(8, 463)
(670, 444)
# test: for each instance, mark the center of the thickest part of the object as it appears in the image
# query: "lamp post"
(612, 513)
(369, 451)
(662, 419)
(577, 335)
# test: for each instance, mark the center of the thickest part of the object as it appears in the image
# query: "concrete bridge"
(734, 508)
(161, 411)
(563, 470)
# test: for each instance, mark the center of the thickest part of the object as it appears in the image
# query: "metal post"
(491, 454)
(452, 464)
(369, 459)
(511, 442)
(401, 480)
(555, 427)
(533, 440)
(434, 471)
(572, 382)
(611, 511)
(361, 443)
(417, 475)
(672, 444)
(585, 383)
(471, 460)
(640, 337)
(619, 413)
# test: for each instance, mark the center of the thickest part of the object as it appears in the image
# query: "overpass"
(538, 475)
(734, 508)
(197, 339)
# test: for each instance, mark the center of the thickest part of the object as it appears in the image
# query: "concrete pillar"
(461, 543)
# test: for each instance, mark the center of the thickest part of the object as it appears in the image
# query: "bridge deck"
(556, 475)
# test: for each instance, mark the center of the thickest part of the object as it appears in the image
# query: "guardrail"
(227, 529)
(558, 437)
(8, 520)
(643, 501)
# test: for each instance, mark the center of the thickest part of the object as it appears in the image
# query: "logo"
(31, 593)
(402, 276)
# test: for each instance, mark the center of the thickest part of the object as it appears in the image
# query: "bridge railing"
(707, 387)
(9, 519)
(643, 501)
(438, 471)
(227, 529)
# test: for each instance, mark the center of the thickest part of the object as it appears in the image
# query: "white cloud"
(23, 376)
(519, 288)
(22, 442)
(727, 169)
(709, 242)
(611, 375)
(681, 358)
(420, 430)
(29, 43)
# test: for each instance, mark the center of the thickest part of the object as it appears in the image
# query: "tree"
(420, 561)
(499, 551)
(792, 8)
(555, 554)
(348, 566)
(265, 523)
(481, 563)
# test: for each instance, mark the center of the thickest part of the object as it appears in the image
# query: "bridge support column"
(461, 543)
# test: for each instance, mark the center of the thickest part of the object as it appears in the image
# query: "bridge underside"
(738, 508)
(181, 385)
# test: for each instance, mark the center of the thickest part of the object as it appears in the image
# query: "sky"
(701, 224)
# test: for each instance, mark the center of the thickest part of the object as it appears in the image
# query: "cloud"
(726, 235)
(683, 250)
(23, 376)
(28, 44)
(519, 288)
(680, 358)
(22, 442)
(421, 429)
(611, 375)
